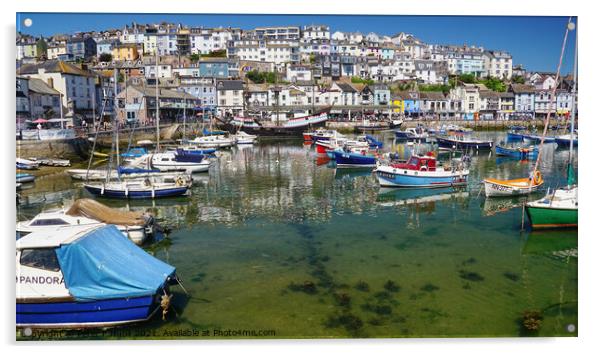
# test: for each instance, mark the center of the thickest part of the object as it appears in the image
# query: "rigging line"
(104, 101)
(552, 99)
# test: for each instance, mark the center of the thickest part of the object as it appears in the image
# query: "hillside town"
(228, 72)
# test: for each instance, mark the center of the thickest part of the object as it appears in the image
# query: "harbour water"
(276, 243)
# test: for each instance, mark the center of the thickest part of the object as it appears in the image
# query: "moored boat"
(368, 126)
(25, 178)
(213, 141)
(506, 188)
(464, 143)
(421, 172)
(136, 226)
(349, 159)
(24, 164)
(147, 188)
(412, 134)
(180, 161)
(87, 276)
(291, 127)
(558, 209)
(564, 141)
(243, 138)
(522, 153)
(538, 138)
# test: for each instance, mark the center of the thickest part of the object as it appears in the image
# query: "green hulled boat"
(557, 209)
(554, 210)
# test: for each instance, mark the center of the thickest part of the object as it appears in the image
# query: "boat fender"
(153, 191)
(102, 189)
(126, 191)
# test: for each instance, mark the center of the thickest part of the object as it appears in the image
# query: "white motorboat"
(86, 276)
(136, 226)
(180, 161)
(243, 138)
(213, 141)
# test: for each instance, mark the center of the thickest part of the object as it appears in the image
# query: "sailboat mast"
(116, 121)
(552, 99)
(157, 95)
(573, 101)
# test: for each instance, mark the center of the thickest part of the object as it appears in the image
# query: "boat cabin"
(418, 163)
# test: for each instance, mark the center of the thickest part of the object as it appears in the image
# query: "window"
(42, 258)
(46, 222)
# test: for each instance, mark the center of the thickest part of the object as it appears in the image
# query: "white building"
(316, 32)
(229, 97)
(498, 64)
(468, 95)
(274, 51)
(351, 37)
(296, 73)
(75, 85)
(207, 40)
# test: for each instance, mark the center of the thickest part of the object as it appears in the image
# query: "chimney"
(51, 82)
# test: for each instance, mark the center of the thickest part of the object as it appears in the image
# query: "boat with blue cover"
(349, 159)
(421, 172)
(134, 152)
(373, 142)
(520, 152)
(87, 276)
(181, 160)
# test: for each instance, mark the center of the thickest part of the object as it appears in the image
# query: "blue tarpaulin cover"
(104, 264)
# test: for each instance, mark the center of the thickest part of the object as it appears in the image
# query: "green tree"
(435, 88)
(494, 84)
(518, 79)
(359, 80)
(194, 57)
(105, 57)
(41, 48)
(467, 78)
(261, 77)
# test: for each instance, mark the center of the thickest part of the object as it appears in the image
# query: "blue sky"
(533, 41)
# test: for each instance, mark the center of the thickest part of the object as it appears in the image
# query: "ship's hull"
(463, 145)
(418, 179)
(548, 218)
(74, 314)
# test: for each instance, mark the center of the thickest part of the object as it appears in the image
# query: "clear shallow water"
(275, 239)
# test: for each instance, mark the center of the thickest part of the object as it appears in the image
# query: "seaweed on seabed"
(342, 299)
(383, 310)
(470, 260)
(307, 287)
(362, 286)
(532, 320)
(512, 276)
(472, 276)
(346, 320)
(391, 286)
(429, 288)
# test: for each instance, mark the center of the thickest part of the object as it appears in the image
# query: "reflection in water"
(275, 237)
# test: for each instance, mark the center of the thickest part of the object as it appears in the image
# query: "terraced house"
(75, 85)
